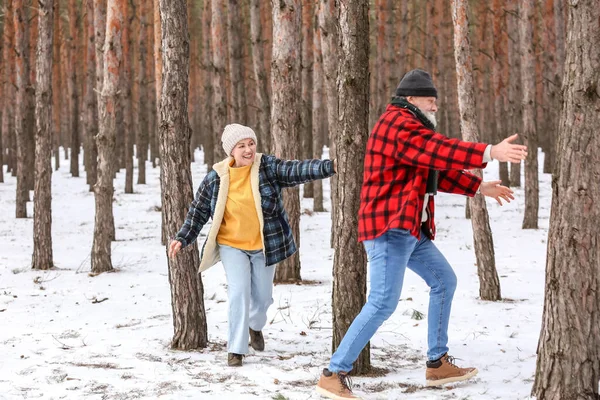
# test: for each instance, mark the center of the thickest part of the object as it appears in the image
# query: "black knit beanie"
(416, 83)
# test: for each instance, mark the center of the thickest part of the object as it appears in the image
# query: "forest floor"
(67, 335)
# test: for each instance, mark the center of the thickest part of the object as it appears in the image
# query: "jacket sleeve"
(418, 146)
(293, 172)
(198, 213)
(458, 182)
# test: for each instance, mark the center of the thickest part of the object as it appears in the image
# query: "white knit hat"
(233, 133)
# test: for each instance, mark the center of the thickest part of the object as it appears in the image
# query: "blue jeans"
(250, 294)
(389, 255)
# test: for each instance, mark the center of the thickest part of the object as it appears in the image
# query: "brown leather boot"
(335, 386)
(257, 341)
(235, 360)
(445, 371)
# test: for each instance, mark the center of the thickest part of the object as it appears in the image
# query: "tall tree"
(7, 88)
(515, 109)
(261, 77)
(189, 318)
(499, 84)
(42, 207)
(239, 108)
(489, 284)
(207, 121)
(104, 189)
(22, 127)
(143, 100)
(319, 115)
(285, 112)
(126, 98)
(568, 363)
(72, 85)
(90, 98)
(99, 40)
(217, 29)
(56, 88)
(532, 191)
(306, 76)
(350, 261)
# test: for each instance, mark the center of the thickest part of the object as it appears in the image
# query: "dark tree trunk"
(489, 284)
(207, 121)
(568, 363)
(350, 261)
(307, 88)
(91, 100)
(189, 318)
(319, 113)
(72, 87)
(532, 192)
(104, 189)
(239, 108)
(515, 94)
(285, 114)
(217, 28)
(42, 207)
(126, 98)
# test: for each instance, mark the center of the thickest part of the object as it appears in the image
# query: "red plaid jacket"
(400, 153)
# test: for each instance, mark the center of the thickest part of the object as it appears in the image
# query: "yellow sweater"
(240, 227)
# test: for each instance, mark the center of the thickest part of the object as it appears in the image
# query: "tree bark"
(152, 107)
(104, 189)
(56, 89)
(307, 88)
(285, 113)
(207, 126)
(261, 77)
(489, 284)
(42, 207)
(499, 83)
(72, 86)
(100, 33)
(22, 103)
(142, 111)
(350, 261)
(217, 27)
(530, 220)
(515, 109)
(91, 99)
(239, 108)
(7, 89)
(319, 115)
(568, 363)
(126, 98)
(189, 318)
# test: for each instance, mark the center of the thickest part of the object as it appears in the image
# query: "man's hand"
(495, 190)
(507, 151)
(174, 248)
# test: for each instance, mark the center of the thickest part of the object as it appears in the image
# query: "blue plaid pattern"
(274, 175)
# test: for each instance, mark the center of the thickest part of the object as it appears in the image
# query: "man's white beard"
(430, 115)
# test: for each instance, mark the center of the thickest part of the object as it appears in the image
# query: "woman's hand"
(495, 190)
(174, 248)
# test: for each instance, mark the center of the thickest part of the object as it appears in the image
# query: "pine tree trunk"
(489, 284)
(350, 261)
(65, 121)
(568, 363)
(104, 189)
(207, 126)
(56, 89)
(42, 207)
(158, 67)
(261, 77)
(142, 112)
(499, 83)
(515, 94)
(217, 28)
(526, 20)
(307, 89)
(329, 28)
(152, 107)
(100, 33)
(7, 89)
(189, 318)
(239, 108)
(30, 55)
(72, 86)
(126, 98)
(285, 113)
(21, 126)
(91, 100)
(319, 115)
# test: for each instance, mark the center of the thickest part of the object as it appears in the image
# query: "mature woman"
(250, 232)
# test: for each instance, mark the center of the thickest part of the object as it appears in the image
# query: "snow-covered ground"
(66, 335)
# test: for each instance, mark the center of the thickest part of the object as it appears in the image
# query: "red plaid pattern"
(400, 153)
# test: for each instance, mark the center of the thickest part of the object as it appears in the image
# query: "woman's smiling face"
(243, 153)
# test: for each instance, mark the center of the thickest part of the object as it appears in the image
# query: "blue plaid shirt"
(274, 174)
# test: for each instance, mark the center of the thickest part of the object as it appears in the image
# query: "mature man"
(406, 163)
